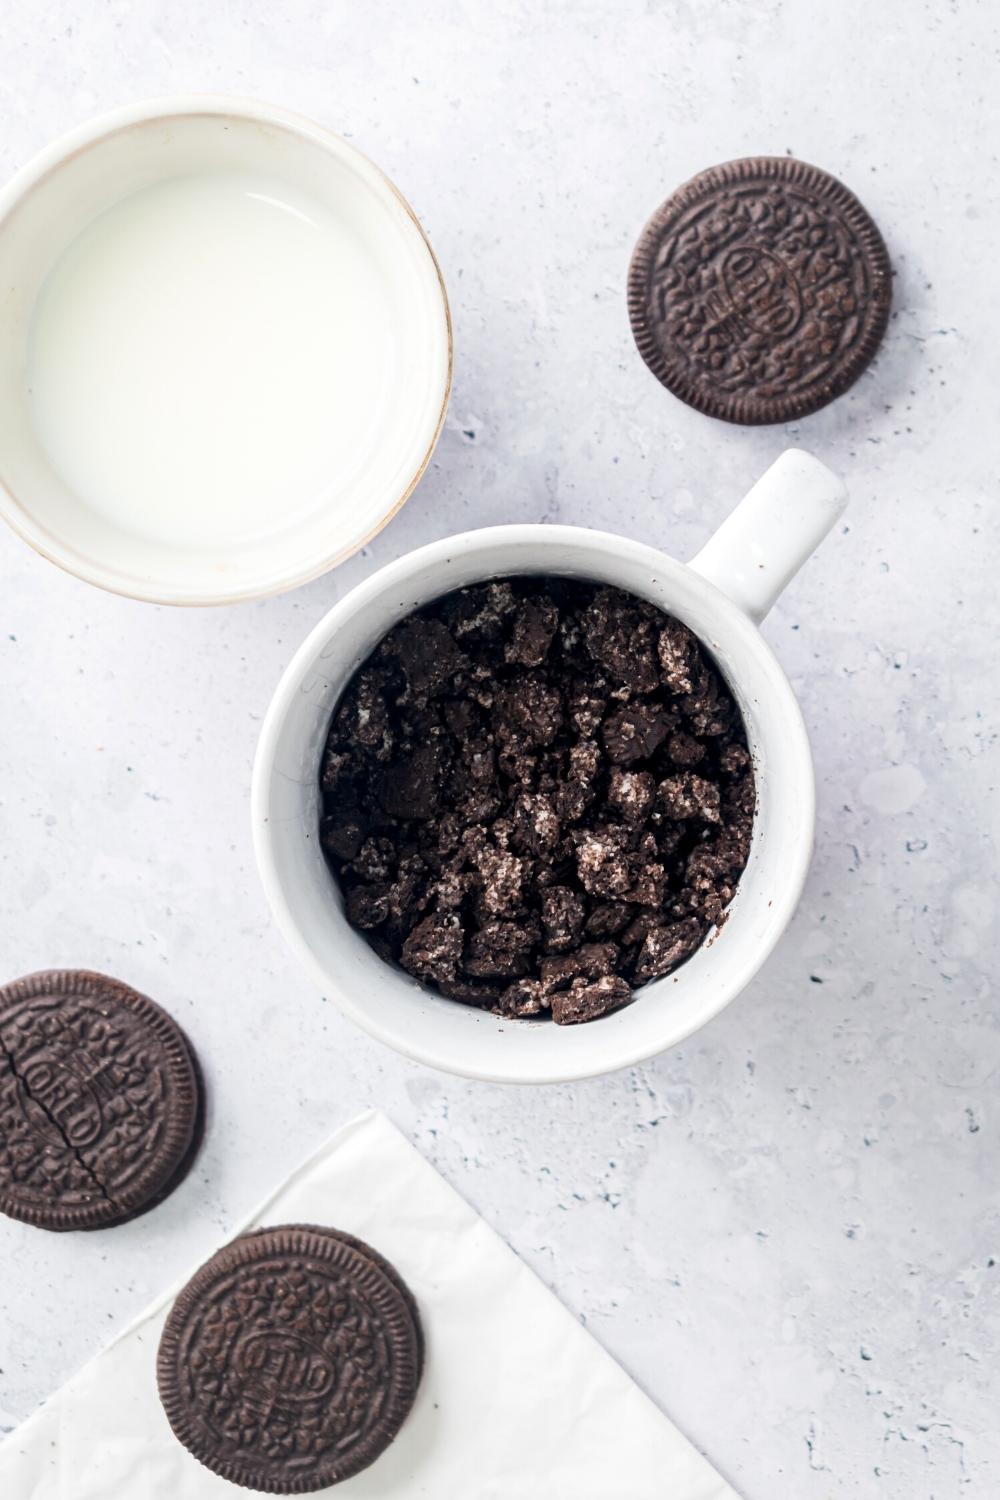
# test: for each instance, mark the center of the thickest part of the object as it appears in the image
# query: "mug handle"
(760, 547)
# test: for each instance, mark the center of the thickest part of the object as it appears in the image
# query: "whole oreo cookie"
(100, 1101)
(760, 290)
(290, 1361)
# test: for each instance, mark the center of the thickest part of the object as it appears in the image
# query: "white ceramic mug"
(722, 595)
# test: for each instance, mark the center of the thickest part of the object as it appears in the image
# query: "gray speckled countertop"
(787, 1230)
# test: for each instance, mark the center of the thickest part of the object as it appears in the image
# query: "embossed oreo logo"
(276, 1366)
(59, 1105)
(762, 291)
(753, 292)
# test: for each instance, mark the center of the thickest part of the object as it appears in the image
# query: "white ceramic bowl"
(722, 595)
(43, 211)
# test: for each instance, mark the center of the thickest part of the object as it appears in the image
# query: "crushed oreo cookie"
(537, 796)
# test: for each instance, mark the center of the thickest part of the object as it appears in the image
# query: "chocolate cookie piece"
(760, 290)
(290, 1361)
(562, 918)
(101, 1109)
(663, 948)
(586, 1000)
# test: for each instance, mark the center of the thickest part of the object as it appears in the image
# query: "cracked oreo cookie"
(101, 1105)
(760, 290)
(290, 1361)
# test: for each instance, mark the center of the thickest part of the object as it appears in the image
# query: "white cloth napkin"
(517, 1401)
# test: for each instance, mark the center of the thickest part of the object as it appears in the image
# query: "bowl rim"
(303, 663)
(143, 111)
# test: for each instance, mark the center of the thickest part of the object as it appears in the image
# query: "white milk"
(208, 359)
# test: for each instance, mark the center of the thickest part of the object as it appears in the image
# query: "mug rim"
(55, 154)
(304, 661)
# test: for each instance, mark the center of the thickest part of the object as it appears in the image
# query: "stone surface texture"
(787, 1230)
